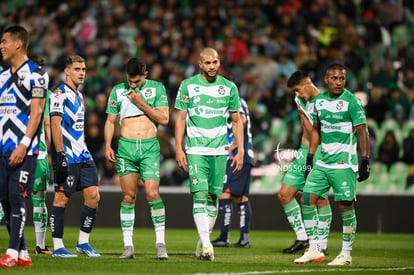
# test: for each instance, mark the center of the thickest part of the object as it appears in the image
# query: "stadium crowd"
(262, 43)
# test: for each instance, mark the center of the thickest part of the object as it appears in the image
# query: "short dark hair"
(74, 58)
(136, 66)
(335, 66)
(20, 33)
(296, 78)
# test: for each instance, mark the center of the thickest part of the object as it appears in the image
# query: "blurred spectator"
(398, 104)
(377, 106)
(408, 148)
(389, 150)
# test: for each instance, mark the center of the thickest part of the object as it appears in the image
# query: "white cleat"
(207, 252)
(161, 251)
(199, 250)
(310, 256)
(341, 259)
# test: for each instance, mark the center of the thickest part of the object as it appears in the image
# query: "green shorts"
(342, 181)
(206, 173)
(42, 176)
(139, 156)
(295, 175)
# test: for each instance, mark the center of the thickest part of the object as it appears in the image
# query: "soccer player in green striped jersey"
(294, 180)
(202, 104)
(339, 116)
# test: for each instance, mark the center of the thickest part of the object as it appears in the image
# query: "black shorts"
(239, 184)
(81, 175)
(17, 180)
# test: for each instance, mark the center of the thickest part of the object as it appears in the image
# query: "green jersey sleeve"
(357, 112)
(182, 99)
(234, 104)
(113, 106)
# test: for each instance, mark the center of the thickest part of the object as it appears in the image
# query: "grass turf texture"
(372, 253)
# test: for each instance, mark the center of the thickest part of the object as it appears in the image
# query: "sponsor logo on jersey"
(196, 100)
(336, 116)
(57, 92)
(331, 127)
(113, 103)
(38, 92)
(20, 82)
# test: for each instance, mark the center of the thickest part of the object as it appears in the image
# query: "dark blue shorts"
(239, 184)
(17, 180)
(81, 175)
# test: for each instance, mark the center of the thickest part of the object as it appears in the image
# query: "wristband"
(26, 141)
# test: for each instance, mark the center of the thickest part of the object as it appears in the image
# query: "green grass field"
(373, 253)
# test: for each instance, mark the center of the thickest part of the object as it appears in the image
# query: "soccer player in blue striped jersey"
(74, 168)
(23, 89)
(237, 186)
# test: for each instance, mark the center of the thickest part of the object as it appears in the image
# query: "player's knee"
(152, 195)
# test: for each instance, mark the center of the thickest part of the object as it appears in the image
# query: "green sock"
(294, 216)
(39, 218)
(349, 228)
(310, 220)
(325, 218)
(1, 212)
(158, 219)
(127, 215)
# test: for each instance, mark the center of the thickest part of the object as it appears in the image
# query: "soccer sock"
(201, 219)
(158, 219)
(225, 217)
(325, 218)
(87, 220)
(310, 221)
(348, 232)
(212, 211)
(17, 221)
(294, 216)
(39, 218)
(56, 226)
(1, 213)
(127, 215)
(245, 212)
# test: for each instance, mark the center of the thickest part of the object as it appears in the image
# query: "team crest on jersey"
(148, 92)
(194, 180)
(221, 90)
(340, 105)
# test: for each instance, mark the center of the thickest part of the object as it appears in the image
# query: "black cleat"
(297, 246)
(220, 243)
(325, 251)
(240, 244)
(45, 250)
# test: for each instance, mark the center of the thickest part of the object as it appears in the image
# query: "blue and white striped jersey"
(16, 93)
(68, 103)
(247, 139)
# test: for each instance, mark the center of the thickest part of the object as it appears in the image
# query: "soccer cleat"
(45, 250)
(325, 251)
(220, 243)
(87, 249)
(128, 253)
(63, 253)
(296, 246)
(241, 244)
(207, 252)
(310, 256)
(7, 261)
(199, 249)
(23, 262)
(341, 259)
(161, 251)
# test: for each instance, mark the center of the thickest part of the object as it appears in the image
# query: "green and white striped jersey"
(337, 118)
(42, 142)
(206, 105)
